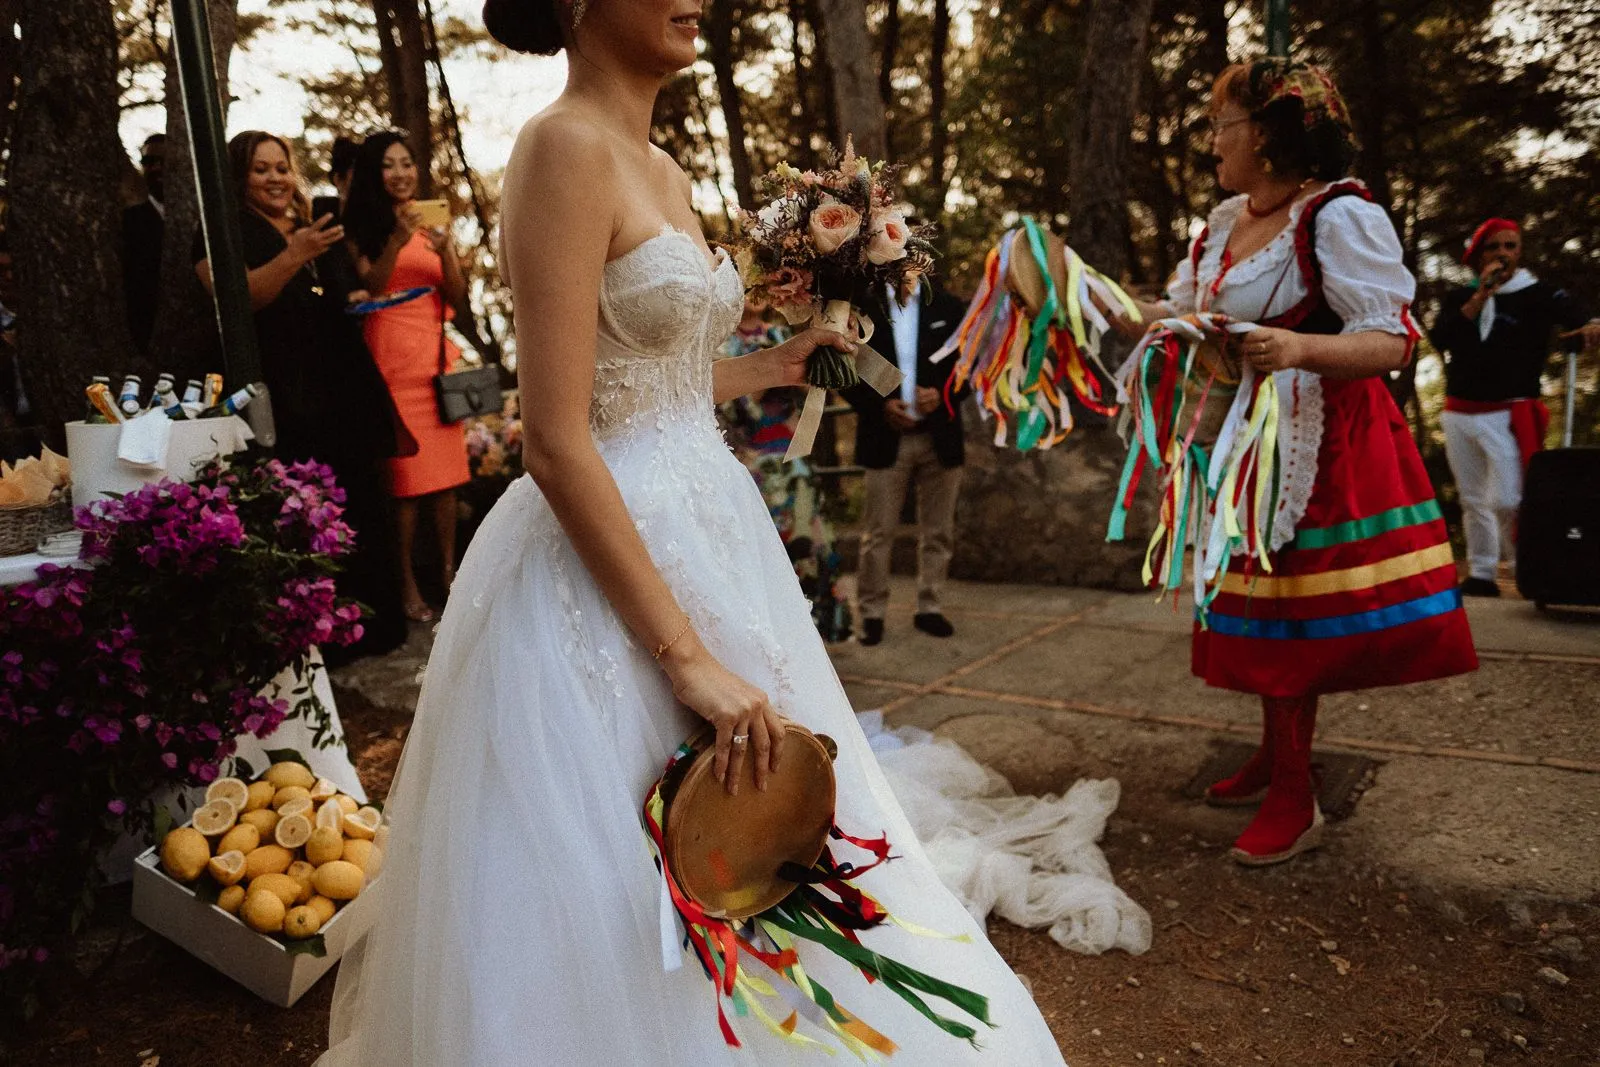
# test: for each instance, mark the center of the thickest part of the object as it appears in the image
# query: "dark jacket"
(143, 232)
(1508, 365)
(878, 443)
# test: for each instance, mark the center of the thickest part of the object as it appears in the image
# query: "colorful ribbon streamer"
(1219, 497)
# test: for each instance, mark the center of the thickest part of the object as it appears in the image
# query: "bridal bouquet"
(826, 235)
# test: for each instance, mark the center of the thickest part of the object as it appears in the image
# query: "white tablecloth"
(14, 570)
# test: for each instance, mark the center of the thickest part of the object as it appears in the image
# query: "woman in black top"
(328, 400)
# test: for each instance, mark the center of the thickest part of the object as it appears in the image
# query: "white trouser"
(1487, 466)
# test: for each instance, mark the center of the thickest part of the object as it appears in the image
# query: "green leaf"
(313, 946)
(162, 822)
(243, 769)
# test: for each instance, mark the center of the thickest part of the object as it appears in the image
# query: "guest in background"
(759, 428)
(329, 402)
(143, 231)
(911, 438)
(1497, 335)
(341, 165)
(393, 252)
(19, 426)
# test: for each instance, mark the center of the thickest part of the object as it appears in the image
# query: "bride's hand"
(736, 708)
(789, 358)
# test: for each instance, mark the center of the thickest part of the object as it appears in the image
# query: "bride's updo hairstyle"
(530, 26)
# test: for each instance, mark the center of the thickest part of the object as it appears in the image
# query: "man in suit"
(909, 438)
(143, 231)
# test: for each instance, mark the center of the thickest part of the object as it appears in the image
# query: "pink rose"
(789, 291)
(889, 234)
(832, 224)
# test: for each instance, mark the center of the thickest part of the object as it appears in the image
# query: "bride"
(629, 587)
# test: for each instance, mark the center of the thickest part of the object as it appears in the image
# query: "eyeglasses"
(1218, 127)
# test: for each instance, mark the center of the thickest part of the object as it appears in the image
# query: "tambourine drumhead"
(1023, 276)
(725, 851)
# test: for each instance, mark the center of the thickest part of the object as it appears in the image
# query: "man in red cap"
(1496, 333)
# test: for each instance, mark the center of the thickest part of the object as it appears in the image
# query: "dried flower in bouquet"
(825, 236)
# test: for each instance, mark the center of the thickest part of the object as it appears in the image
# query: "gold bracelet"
(661, 650)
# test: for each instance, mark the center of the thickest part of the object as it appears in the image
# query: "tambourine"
(1023, 276)
(726, 853)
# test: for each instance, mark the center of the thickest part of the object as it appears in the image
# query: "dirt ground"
(1319, 963)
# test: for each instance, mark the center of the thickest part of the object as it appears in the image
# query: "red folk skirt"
(1365, 595)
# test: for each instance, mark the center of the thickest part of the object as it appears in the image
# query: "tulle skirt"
(519, 905)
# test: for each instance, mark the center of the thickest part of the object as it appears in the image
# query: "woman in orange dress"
(394, 252)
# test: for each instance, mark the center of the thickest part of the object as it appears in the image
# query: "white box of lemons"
(284, 855)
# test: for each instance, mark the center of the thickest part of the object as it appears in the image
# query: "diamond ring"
(739, 739)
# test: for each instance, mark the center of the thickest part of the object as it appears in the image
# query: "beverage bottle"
(212, 392)
(231, 405)
(93, 414)
(99, 394)
(128, 397)
(164, 384)
(191, 398)
(167, 398)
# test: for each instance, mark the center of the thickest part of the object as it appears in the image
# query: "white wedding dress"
(519, 919)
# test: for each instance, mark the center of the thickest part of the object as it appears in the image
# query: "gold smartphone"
(434, 213)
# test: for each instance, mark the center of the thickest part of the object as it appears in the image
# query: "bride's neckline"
(718, 259)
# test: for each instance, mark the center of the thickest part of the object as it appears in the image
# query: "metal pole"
(1278, 28)
(219, 215)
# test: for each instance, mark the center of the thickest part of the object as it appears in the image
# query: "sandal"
(419, 612)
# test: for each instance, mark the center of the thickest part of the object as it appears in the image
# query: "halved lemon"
(292, 831)
(216, 817)
(227, 867)
(347, 803)
(323, 790)
(363, 825)
(231, 789)
(288, 795)
(331, 815)
(296, 806)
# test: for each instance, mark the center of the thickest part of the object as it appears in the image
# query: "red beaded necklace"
(1261, 213)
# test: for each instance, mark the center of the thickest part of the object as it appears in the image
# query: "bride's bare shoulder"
(560, 141)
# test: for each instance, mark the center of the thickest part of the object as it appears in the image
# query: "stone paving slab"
(1508, 625)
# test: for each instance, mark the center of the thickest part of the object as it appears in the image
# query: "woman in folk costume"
(1362, 586)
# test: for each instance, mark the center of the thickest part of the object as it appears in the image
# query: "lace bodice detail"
(664, 311)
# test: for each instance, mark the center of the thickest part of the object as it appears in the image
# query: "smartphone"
(434, 213)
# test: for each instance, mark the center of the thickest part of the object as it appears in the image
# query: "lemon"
(242, 838)
(332, 815)
(347, 803)
(282, 886)
(230, 899)
(290, 773)
(301, 922)
(358, 852)
(184, 853)
(215, 818)
(339, 880)
(263, 819)
(323, 907)
(261, 794)
(227, 867)
(292, 831)
(301, 872)
(363, 824)
(268, 859)
(289, 794)
(325, 845)
(323, 790)
(230, 789)
(263, 911)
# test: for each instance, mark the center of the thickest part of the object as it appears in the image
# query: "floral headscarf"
(1272, 80)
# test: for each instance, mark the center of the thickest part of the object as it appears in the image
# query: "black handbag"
(464, 393)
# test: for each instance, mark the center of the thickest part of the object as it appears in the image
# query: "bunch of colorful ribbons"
(1026, 363)
(1220, 497)
(757, 959)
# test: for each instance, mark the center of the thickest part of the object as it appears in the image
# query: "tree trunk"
(1374, 98)
(1213, 50)
(1106, 93)
(939, 130)
(8, 68)
(185, 337)
(403, 49)
(720, 20)
(855, 92)
(891, 45)
(65, 226)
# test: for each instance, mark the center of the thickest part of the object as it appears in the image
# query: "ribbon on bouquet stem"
(868, 364)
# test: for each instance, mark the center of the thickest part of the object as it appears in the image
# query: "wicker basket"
(21, 529)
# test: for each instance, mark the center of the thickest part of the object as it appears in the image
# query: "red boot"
(1289, 821)
(1248, 784)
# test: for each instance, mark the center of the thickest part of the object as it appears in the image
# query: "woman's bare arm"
(562, 201)
(1341, 355)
